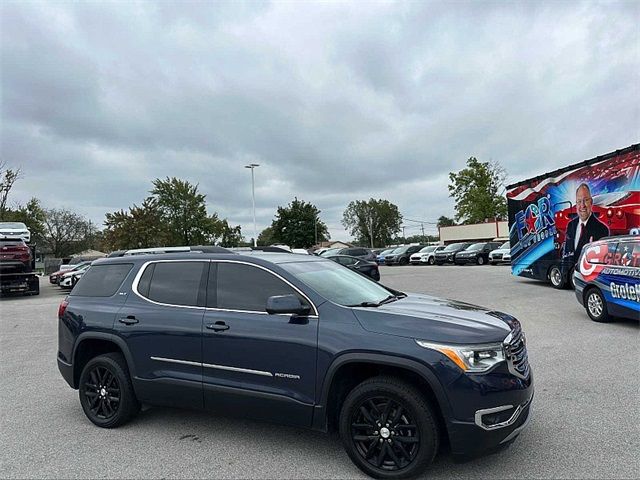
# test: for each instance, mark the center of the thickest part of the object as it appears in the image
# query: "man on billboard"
(584, 228)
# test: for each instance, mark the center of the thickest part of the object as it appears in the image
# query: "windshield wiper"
(389, 299)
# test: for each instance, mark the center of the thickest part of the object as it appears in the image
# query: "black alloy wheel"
(388, 429)
(106, 392)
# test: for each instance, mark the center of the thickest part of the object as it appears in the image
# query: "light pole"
(253, 201)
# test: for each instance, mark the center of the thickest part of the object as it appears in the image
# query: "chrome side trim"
(173, 360)
(210, 365)
(238, 369)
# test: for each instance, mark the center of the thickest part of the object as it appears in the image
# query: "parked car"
(297, 340)
(477, 253)
(607, 278)
(381, 255)
(448, 255)
(15, 255)
(501, 255)
(68, 279)
(55, 276)
(360, 252)
(401, 255)
(15, 230)
(426, 256)
(369, 269)
(331, 251)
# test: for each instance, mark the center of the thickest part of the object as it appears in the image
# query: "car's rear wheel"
(556, 278)
(106, 392)
(596, 305)
(388, 428)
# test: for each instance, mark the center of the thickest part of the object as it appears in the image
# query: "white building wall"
(476, 231)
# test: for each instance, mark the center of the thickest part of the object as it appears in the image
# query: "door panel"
(262, 366)
(165, 342)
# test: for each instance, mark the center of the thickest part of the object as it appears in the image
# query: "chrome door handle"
(218, 326)
(128, 320)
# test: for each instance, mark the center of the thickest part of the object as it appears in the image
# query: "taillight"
(619, 214)
(63, 307)
(609, 213)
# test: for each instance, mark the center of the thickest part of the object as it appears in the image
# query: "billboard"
(551, 217)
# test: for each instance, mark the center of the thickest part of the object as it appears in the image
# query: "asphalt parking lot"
(586, 414)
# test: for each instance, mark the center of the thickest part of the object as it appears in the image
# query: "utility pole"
(422, 225)
(404, 239)
(253, 201)
(315, 226)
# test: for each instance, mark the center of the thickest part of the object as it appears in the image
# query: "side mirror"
(286, 304)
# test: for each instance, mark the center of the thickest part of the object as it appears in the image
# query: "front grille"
(516, 350)
(497, 256)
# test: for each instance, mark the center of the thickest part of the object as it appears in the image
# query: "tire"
(403, 261)
(556, 278)
(596, 306)
(106, 377)
(431, 261)
(480, 260)
(368, 437)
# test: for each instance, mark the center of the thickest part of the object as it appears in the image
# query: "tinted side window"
(102, 280)
(244, 287)
(176, 283)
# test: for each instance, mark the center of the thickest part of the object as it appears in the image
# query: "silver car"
(501, 255)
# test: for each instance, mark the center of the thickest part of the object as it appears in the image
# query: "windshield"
(337, 283)
(384, 252)
(331, 251)
(427, 250)
(453, 246)
(476, 246)
(15, 225)
(401, 249)
(505, 246)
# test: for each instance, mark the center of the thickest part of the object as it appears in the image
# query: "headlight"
(470, 358)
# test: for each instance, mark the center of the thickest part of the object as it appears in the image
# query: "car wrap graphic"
(616, 273)
(543, 212)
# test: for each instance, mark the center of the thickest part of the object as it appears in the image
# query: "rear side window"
(174, 283)
(102, 280)
(244, 287)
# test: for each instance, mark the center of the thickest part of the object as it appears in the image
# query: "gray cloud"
(336, 101)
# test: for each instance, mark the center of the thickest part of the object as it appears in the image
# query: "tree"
(445, 222)
(266, 237)
(373, 222)
(184, 211)
(475, 190)
(8, 178)
(298, 225)
(141, 227)
(66, 232)
(231, 236)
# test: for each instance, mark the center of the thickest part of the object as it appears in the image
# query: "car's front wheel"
(480, 260)
(388, 428)
(106, 392)
(431, 261)
(596, 306)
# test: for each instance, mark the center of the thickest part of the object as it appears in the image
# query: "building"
(475, 232)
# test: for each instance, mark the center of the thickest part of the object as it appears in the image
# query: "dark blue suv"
(298, 340)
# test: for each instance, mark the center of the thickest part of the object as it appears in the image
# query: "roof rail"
(160, 250)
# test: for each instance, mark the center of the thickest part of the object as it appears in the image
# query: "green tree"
(475, 190)
(298, 225)
(141, 227)
(184, 211)
(266, 238)
(231, 236)
(444, 221)
(372, 223)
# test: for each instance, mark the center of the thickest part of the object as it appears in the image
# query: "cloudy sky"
(336, 101)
